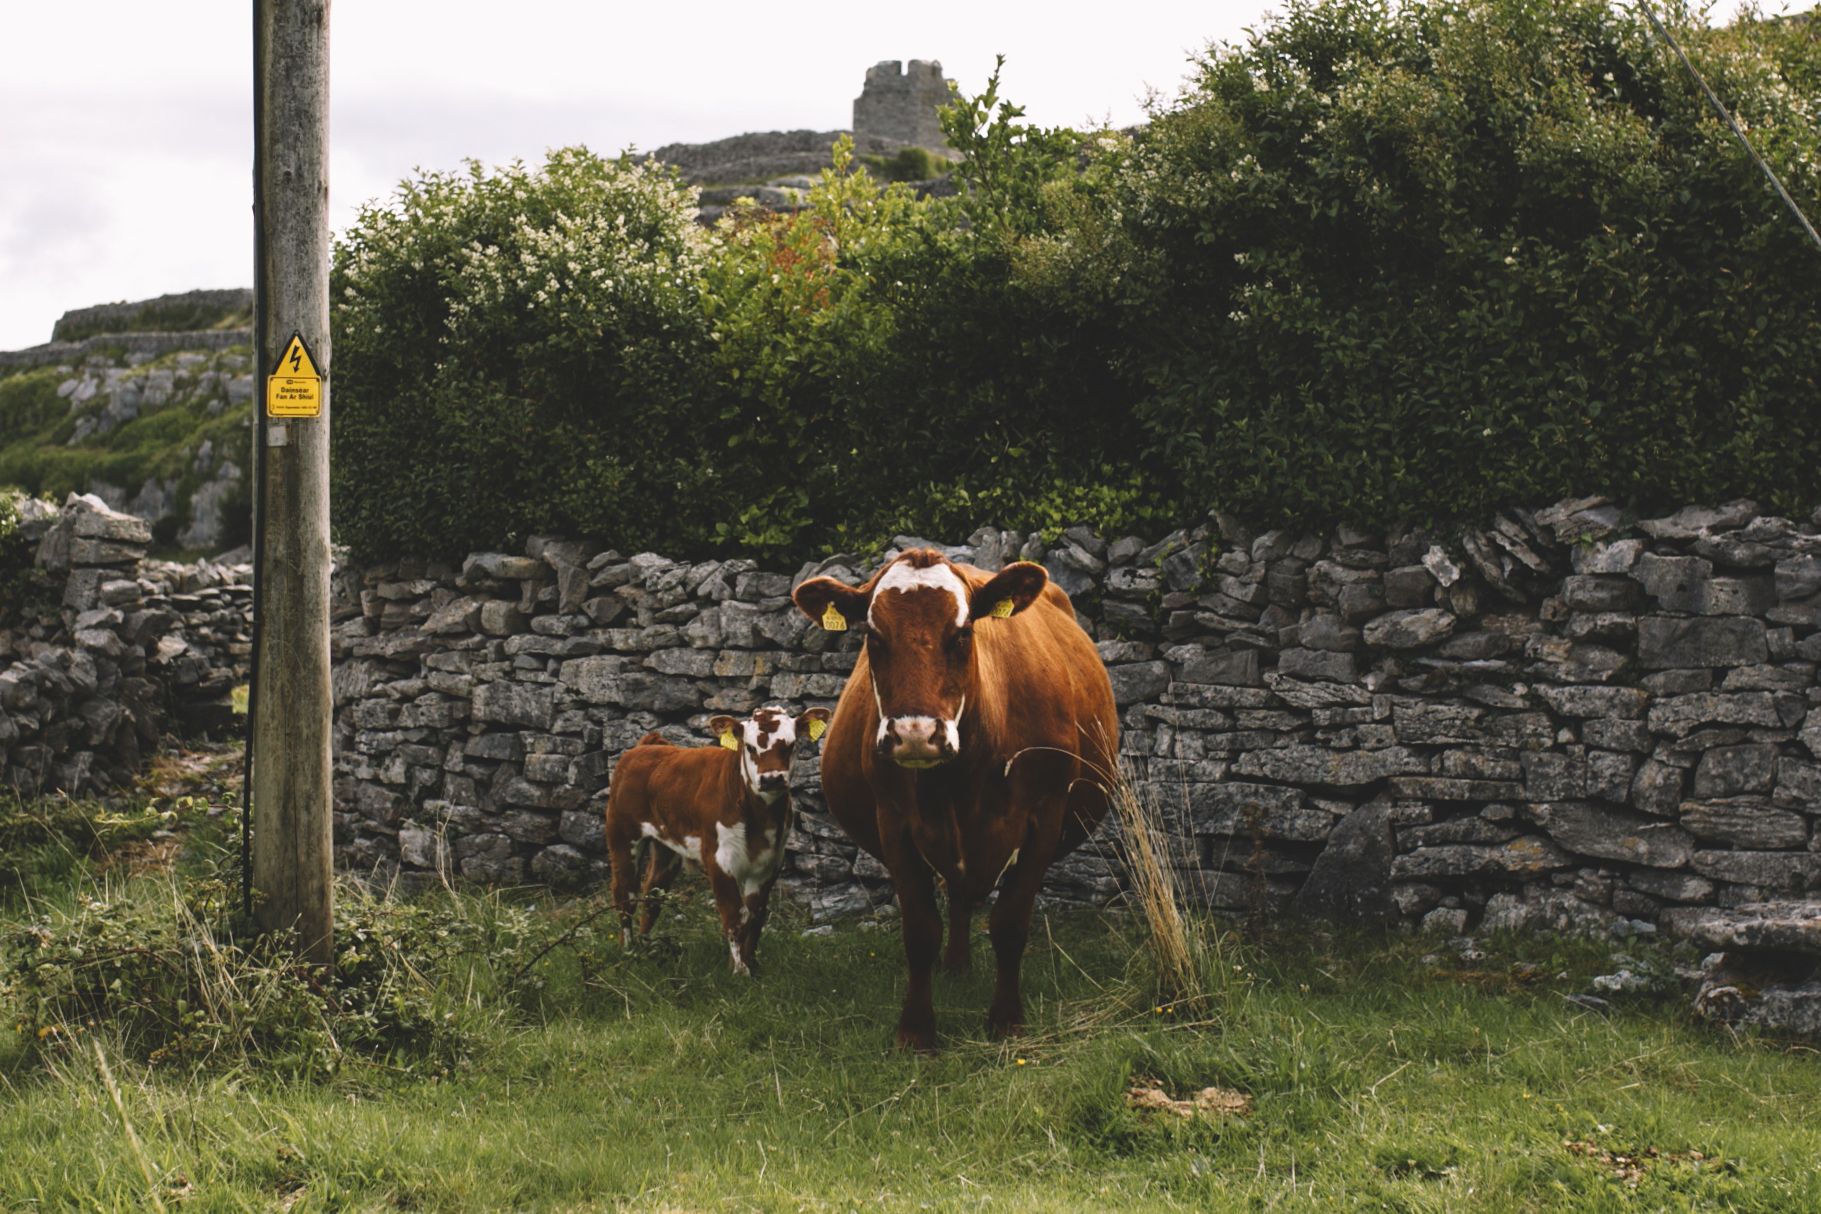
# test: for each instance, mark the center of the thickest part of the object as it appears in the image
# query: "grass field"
(1384, 1074)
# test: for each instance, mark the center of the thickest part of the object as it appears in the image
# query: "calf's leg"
(661, 868)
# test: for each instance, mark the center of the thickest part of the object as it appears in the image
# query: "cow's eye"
(964, 638)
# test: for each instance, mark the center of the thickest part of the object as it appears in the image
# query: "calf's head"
(918, 617)
(765, 742)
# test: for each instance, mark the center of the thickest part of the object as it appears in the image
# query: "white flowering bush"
(532, 331)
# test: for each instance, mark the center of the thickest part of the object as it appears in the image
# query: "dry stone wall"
(1569, 720)
(129, 651)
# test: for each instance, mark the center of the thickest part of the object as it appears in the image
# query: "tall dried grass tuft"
(1152, 870)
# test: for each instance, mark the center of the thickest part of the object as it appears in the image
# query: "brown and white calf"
(725, 807)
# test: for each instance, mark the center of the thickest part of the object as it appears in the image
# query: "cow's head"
(918, 617)
(765, 742)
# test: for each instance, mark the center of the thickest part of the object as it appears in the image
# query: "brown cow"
(726, 807)
(972, 746)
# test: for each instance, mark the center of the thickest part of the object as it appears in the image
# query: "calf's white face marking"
(766, 729)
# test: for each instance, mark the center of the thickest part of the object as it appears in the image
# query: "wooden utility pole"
(292, 862)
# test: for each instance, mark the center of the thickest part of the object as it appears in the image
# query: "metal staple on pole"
(1713, 99)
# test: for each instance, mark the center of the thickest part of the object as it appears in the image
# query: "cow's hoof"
(999, 1027)
(921, 1040)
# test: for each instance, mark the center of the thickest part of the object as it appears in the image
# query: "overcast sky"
(125, 127)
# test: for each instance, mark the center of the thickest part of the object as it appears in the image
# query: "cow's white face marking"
(902, 577)
(735, 857)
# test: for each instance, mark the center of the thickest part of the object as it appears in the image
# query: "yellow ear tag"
(833, 620)
(817, 727)
(729, 741)
(1002, 609)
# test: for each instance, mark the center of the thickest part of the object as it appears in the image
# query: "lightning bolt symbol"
(296, 357)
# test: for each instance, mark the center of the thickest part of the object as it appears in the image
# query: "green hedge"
(1379, 263)
(1431, 260)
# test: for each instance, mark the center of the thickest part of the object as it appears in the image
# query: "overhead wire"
(1719, 107)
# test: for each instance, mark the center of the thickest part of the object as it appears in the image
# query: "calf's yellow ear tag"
(729, 741)
(833, 620)
(817, 727)
(1002, 609)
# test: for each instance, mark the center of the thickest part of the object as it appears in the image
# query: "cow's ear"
(813, 724)
(829, 603)
(726, 730)
(1012, 590)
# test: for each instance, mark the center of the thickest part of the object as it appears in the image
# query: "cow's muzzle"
(918, 741)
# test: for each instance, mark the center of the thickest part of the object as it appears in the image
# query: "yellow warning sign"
(294, 389)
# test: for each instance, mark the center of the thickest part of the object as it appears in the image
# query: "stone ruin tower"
(900, 105)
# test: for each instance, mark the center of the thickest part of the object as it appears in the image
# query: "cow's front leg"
(1009, 927)
(922, 926)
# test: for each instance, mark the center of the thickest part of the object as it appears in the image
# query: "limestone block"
(1554, 776)
(695, 663)
(1678, 715)
(1351, 879)
(1612, 556)
(1578, 701)
(1136, 681)
(1432, 723)
(1770, 870)
(1318, 765)
(1299, 694)
(1614, 834)
(1600, 592)
(1443, 788)
(1609, 775)
(1727, 771)
(1409, 586)
(1657, 788)
(1798, 785)
(1691, 522)
(1527, 855)
(489, 858)
(1471, 829)
(1409, 629)
(501, 567)
(516, 704)
(1748, 823)
(1798, 577)
(1672, 886)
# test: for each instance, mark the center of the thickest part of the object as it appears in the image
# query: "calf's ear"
(727, 730)
(1012, 590)
(829, 603)
(813, 724)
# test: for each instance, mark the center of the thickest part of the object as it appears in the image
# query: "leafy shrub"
(1379, 263)
(516, 351)
(1425, 260)
(177, 989)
